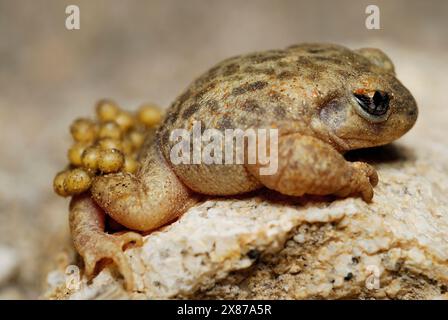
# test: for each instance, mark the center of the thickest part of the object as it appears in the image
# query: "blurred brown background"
(137, 51)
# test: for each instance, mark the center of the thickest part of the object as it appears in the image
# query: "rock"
(9, 264)
(11, 293)
(267, 246)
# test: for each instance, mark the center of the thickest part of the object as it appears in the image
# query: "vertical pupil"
(377, 105)
(380, 99)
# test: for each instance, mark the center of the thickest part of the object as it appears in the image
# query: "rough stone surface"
(268, 246)
(9, 264)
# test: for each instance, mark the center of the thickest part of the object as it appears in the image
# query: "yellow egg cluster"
(106, 145)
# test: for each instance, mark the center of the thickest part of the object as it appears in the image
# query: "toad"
(323, 99)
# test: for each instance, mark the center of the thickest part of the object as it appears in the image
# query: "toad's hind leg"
(145, 201)
(87, 222)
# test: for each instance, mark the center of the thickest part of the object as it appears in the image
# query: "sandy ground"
(137, 51)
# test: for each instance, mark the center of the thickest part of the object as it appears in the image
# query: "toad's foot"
(93, 244)
(362, 180)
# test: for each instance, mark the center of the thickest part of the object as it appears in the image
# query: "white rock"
(9, 263)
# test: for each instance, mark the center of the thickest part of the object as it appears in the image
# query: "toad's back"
(260, 88)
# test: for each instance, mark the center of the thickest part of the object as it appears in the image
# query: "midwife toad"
(324, 100)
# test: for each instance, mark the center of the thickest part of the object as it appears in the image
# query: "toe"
(368, 171)
(126, 238)
(111, 246)
(367, 193)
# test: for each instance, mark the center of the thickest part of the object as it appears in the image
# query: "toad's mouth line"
(357, 143)
(352, 142)
(357, 139)
(347, 142)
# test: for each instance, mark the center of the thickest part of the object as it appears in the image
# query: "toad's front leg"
(307, 165)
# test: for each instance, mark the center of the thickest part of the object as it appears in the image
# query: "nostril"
(412, 113)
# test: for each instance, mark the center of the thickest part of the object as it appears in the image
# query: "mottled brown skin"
(306, 91)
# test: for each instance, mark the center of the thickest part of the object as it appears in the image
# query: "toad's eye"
(376, 105)
(374, 108)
